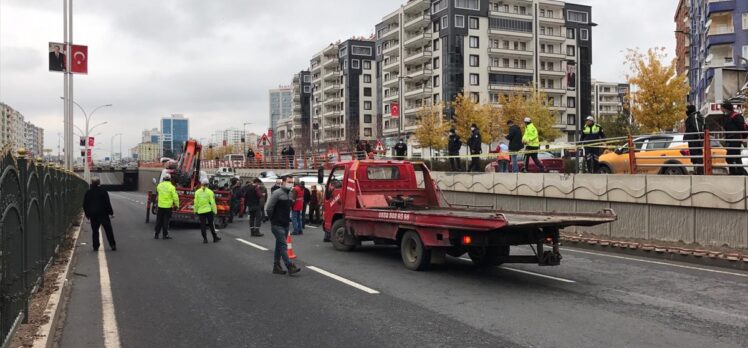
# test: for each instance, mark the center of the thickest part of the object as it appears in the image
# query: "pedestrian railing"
(38, 203)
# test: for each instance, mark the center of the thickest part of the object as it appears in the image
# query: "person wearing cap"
(475, 144)
(531, 139)
(401, 150)
(514, 135)
(454, 146)
(733, 122)
(591, 133)
(694, 136)
(205, 208)
(98, 209)
(167, 200)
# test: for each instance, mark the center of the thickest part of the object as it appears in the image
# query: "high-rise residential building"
(146, 152)
(682, 36)
(151, 136)
(608, 99)
(13, 129)
(344, 94)
(301, 117)
(434, 50)
(33, 140)
(281, 104)
(175, 131)
(718, 45)
(226, 137)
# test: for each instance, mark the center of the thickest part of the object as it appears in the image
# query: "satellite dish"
(708, 24)
(709, 58)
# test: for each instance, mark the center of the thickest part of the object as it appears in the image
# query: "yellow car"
(668, 149)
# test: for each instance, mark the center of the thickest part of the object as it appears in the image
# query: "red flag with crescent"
(395, 110)
(79, 59)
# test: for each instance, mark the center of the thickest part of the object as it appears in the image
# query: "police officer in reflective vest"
(591, 133)
(167, 200)
(205, 207)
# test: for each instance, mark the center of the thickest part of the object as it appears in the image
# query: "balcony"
(507, 33)
(331, 100)
(331, 50)
(552, 37)
(723, 39)
(552, 54)
(393, 96)
(556, 89)
(418, 40)
(510, 52)
(331, 62)
(507, 86)
(717, 6)
(393, 49)
(511, 69)
(392, 65)
(510, 13)
(419, 57)
(552, 72)
(333, 75)
(417, 6)
(418, 92)
(555, 19)
(392, 32)
(420, 74)
(332, 88)
(420, 21)
(390, 82)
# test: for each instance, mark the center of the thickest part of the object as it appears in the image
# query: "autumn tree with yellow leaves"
(528, 102)
(659, 93)
(467, 112)
(431, 127)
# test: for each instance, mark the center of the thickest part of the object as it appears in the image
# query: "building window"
(468, 4)
(438, 6)
(367, 118)
(307, 78)
(570, 33)
(367, 65)
(367, 91)
(474, 42)
(571, 102)
(577, 17)
(367, 78)
(474, 22)
(571, 120)
(355, 64)
(584, 34)
(379, 49)
(367, 132)
(360, 50)
(475, 97)
(459, 21)
(474, 60)
(367, 104)
(436, 98)
(436, 63)
(307, 89)
(343, 51)
(474, 79)
(436, 81)
(345, 64)
(445, 22)
(745, 51)
(570, 51)
(437, 44)
(436, 27)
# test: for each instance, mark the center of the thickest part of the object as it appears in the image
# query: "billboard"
(57, 56)
(571, 76)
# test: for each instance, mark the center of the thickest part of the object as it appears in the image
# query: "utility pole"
(87, 132)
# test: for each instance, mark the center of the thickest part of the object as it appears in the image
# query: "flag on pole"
(395, 110)
(79, 59)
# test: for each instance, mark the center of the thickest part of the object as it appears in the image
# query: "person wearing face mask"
(401, 150)
(455, 144)
(475, 143)
(279, 210)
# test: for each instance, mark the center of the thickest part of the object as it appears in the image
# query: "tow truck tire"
(415, 255)
(488, 256)
(339, 235)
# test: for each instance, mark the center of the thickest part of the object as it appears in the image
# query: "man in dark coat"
(694, 136)
(454, 146)
(98, 209)
(514, 135)
(733, 121)
(401, 150)
(56, 60)
(475, 144)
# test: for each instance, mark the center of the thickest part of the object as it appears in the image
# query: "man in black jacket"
(694, 136)
(279, 211)
(733, 122)
(253, 197)
(514, 135)
(98, 209)
(307, 198)
(475, 144)
(401, 150)
(454, 146)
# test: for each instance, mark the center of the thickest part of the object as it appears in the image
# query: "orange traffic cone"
(289, 241)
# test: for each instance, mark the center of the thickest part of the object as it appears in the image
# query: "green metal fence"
(38, 204)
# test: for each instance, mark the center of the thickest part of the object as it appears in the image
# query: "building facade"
(151, 136)
(608, 99)
(682, 36)
(434, 50)
(344, 94)
(16, 133)
(33, 140)
(718, 32)
(175, 131)
(302, 116)
(281, 104)
(147, 152)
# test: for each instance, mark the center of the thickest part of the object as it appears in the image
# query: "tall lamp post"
(89, 129)
(111, 147)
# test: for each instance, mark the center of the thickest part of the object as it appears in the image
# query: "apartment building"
(434, 50)
(718, 32)
(301, 115)
(682, 36)
(33, 140)
(344, 94)
(16, 133)
(608, 98)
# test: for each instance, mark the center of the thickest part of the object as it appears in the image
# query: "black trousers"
(534, 156)
(696, 149)
(475, 163)
(206, 219)
(455, 163)
(255, 218)
(736, 160)
(102, 221)
(314, 213)
(162, 221)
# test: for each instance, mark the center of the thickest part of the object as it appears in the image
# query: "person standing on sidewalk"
(253, 197)
(514, 135)
(454, 146)
(315, 203)
(205, 208)
(167, 201)
(297, 197)
(279, 211)
(475, 143)
(531, 139)
(98, 210)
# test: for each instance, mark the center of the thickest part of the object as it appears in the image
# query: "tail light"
(685, 152)
(467, 240)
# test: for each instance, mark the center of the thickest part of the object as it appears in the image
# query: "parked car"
(670, 147)
(551, 163)
(268, 177)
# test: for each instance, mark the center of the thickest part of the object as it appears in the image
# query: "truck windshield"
(383, 173)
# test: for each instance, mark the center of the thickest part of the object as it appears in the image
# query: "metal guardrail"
(38, 203)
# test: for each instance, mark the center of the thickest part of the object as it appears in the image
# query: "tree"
(431, 127)
(659, 97)
(512, 107)
(618, 126)
(467, 112)
(528, 102)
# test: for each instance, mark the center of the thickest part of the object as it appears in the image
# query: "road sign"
(264, 141)
(379, 147)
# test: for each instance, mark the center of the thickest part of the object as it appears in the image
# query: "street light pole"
(89, 130)
(244, 136)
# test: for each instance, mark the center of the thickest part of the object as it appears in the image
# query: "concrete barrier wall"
(146, 176)
(691, 209)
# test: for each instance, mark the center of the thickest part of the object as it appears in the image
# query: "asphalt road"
(109, 178)
(182, 293)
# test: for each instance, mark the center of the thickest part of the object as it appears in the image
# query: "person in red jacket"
(297, 199)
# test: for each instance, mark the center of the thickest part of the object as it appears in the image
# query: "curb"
(56, 305)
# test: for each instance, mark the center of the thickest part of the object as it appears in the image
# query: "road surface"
(182, 293)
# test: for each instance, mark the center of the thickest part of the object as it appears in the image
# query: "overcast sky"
(214, 61)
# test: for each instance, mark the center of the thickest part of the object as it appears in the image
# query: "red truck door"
(334, 195)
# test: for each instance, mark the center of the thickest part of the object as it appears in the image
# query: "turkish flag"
(79, 59)
(395, 110)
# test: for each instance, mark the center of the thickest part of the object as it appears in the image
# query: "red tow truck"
(398, 203)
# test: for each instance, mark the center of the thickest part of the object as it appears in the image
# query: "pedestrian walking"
(315, 203)
(592, 132)
(475, 143)
(454, 146)
(304, 211)
(168, 200)
(297, 197)
(205, 207)
(514, 135)
(253, 198)
(531, 139)
(278, 184)
(279, 211)
(733, 122)
(695, 137)
(98, 210)
(401, 150)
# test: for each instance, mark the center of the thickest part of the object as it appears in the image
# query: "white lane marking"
(537, 274)
(528, 272)
(310, 226)
(252, 244)
(745, 275)
(109, 319)
(343, 280)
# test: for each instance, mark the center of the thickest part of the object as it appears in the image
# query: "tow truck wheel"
(339, 236)
(415, 255)
(488, 256)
